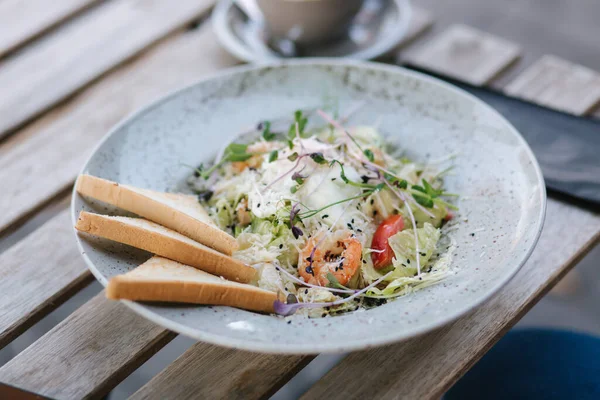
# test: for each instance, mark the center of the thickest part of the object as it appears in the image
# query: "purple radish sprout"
(286, 309)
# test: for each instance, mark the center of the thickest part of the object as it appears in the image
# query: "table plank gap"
(82, 50)
(88, 353)
(62, 140)
(456, 347)
(208, 372)
(465, 53)
(23, 20)
(559, 84)
(49, 270)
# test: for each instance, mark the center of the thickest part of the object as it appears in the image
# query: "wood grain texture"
(559, 84)
(22, 20)
(37, 275)
(88, 353)
(208, 372)
(425, 367)
(566, 28)
(466, 54)
(62, 140)
(63, 61)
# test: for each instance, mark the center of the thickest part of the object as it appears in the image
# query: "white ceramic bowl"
(496, 173)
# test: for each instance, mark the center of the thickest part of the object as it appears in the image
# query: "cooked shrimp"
(243, 213)
(340, 254)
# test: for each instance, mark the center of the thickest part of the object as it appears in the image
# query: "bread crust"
(140, 202)
(173, 246)
(191, 292)
(160, 279)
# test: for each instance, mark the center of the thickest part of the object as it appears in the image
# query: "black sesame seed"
(333, 179)
(325, 216)
(323, 315)
(258, 205)
(281, 246)
(372, 201)
(472, 234)
(407, 261)
(305, 291)
(359, 230)
(352, 220)
(289, 322)
(364, 261)
(423, 254)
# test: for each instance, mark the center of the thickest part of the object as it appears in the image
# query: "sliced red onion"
(286, 309)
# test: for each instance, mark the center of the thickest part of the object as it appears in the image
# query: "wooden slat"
(37, 275)
(62, 62)
(209, 372)
(88, 353)
(466, 54)
(559, 84)
(61, 141)
(425, 367)
(22, 20)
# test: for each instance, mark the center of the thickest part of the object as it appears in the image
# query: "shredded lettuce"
(403, 245)
(438, 212)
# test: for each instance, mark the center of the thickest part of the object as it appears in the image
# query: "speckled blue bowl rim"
(317, 348)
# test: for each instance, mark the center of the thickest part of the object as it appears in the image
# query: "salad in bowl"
(334, 218)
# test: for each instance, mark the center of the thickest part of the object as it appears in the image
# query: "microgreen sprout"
(267, 134)
(286, 309)
(273, 156)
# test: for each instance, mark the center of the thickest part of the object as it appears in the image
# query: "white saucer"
(377, 29)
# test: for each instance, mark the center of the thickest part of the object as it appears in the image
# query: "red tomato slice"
(386, 229)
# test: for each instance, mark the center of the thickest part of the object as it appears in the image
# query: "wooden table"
(70, 69)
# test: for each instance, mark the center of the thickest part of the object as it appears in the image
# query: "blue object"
(535, 364)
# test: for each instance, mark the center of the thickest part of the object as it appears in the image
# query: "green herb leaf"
(342, 173)
(369, 154)
(273, 156)
(333, 282)
(267, 134)
(294, 189)
(425, 201)
(403, 184)
(293, 156)
(430, 190)
(236, 148)
(318, 158)
(238, 157)
(299, 181)
(419, 188)
(379, 187)
(301, 121)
